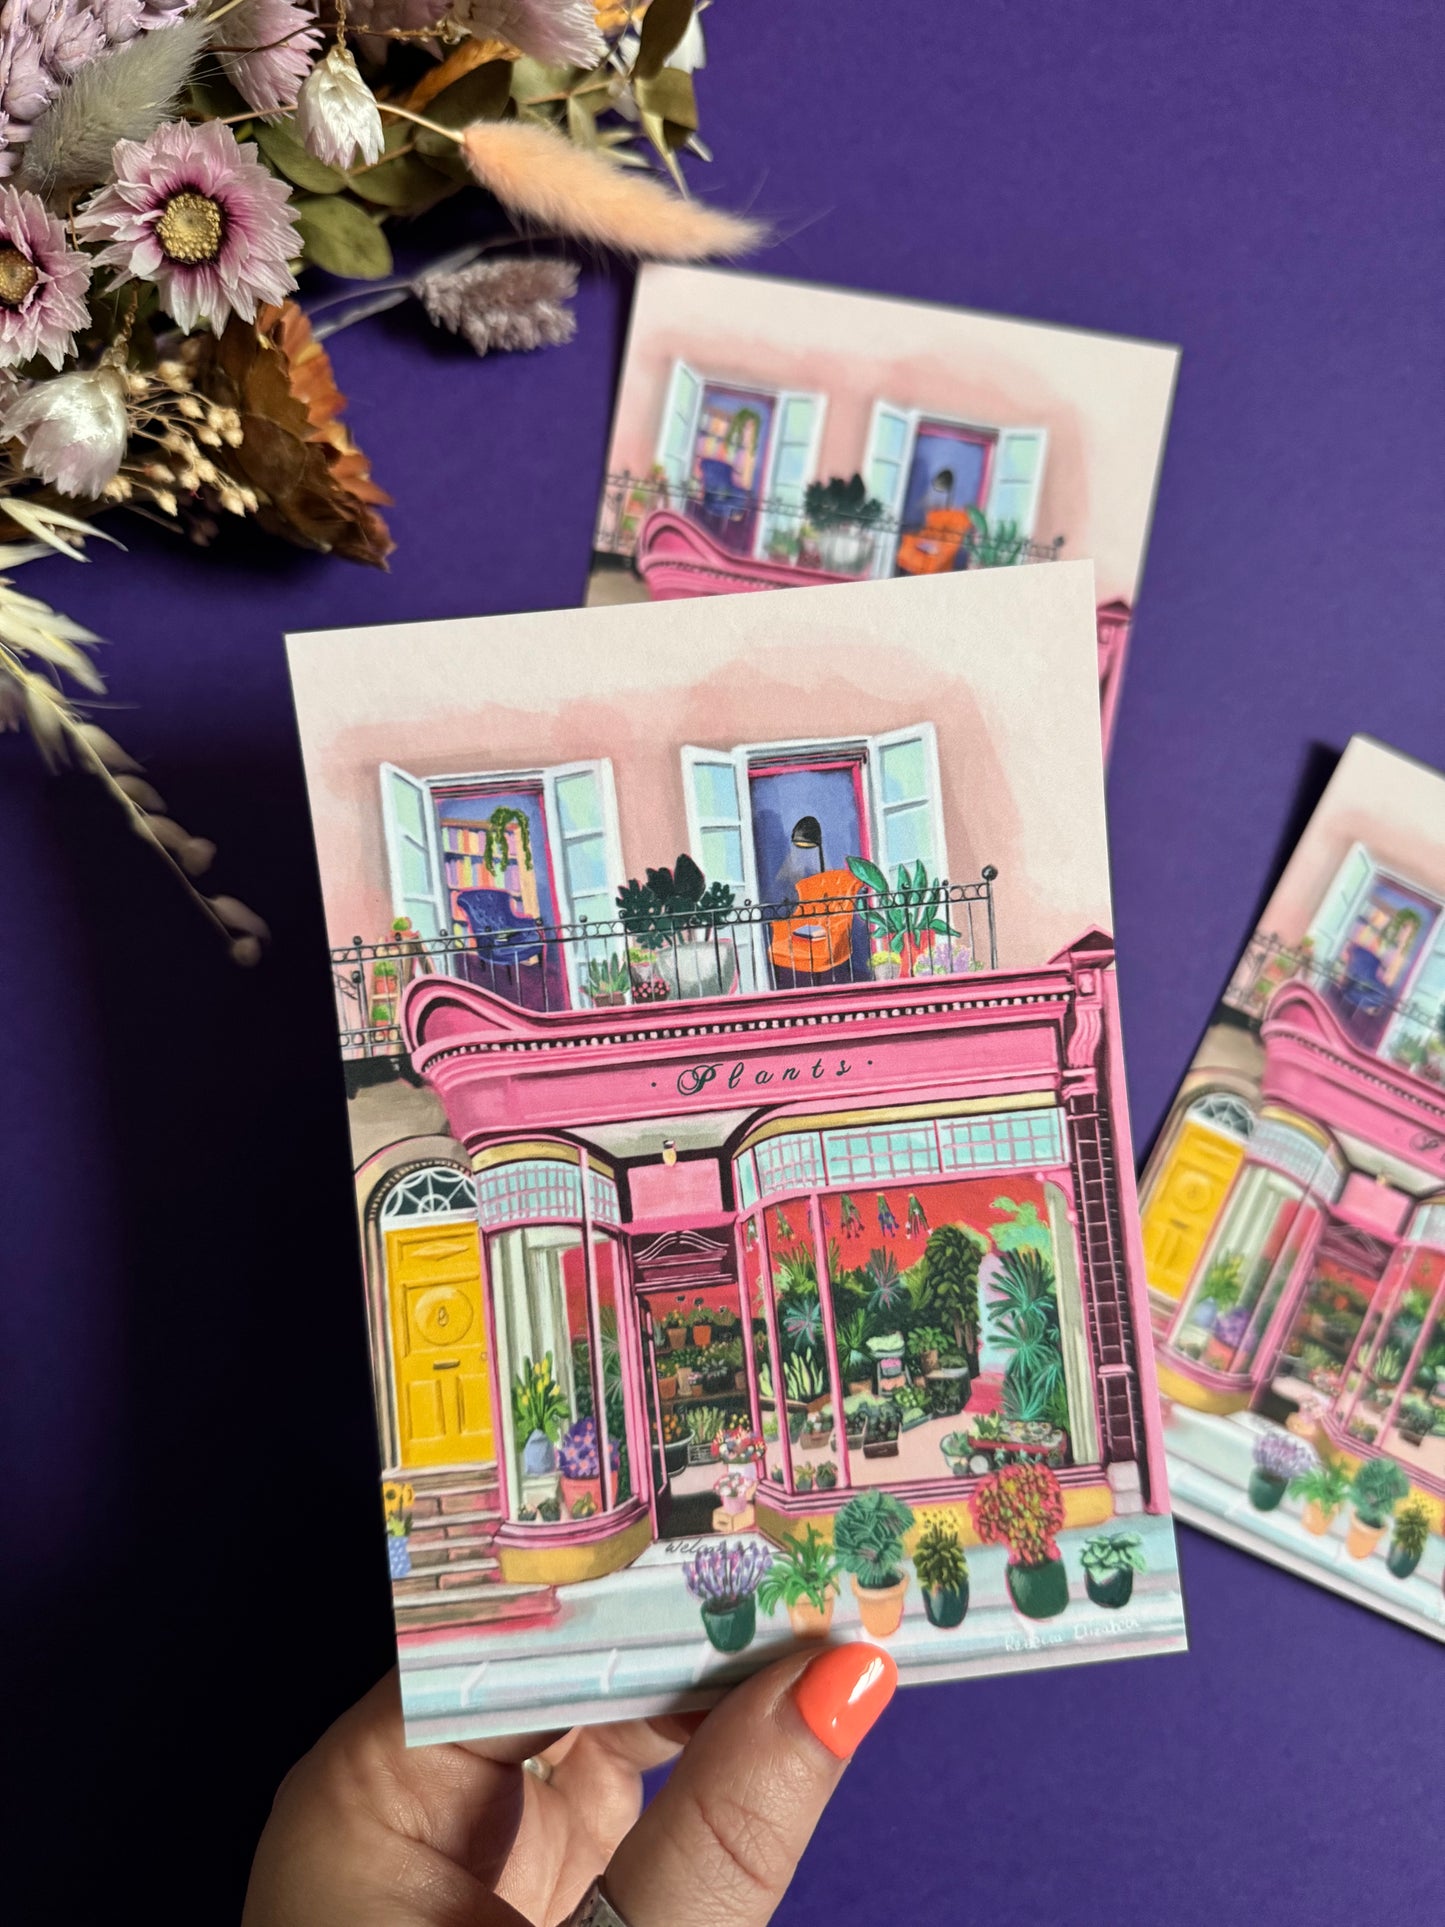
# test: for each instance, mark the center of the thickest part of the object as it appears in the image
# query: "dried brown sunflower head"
(315, 482)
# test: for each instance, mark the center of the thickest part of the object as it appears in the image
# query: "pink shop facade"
(681, 1208)
(1329, 1238)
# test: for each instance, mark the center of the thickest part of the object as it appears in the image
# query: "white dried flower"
(336, 113)
(72, 428)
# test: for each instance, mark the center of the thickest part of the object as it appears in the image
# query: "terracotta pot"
(740, 1380)
(881, 1607)
(676, 1337)
(1316, 1519)
(667, 1387)
(859, 1387)
(929, 1361)
(573, 1489)
(1362, 1538)
(702, 1336)
(808, 1622)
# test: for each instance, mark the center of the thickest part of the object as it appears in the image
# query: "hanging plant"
(852, 1217)
(887, 1223)
(917, 1216)
(496, 856)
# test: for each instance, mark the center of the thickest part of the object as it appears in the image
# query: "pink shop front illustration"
(1294, 1211)
(769, 435)
(737, 1152)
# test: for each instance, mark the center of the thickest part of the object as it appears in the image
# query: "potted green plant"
(677, 921)
(607, 981)
(1022, 1506)
(923, 1346)
(804, 1578)
(853, 1359)
(802, 1478)
(1324, 1489)
(704, 1426)
(842, 515)
(701, 1326)
(938, 1559)
(724, 1580)
(1110, 1560)
(902, 918)
(539, 1411)
(1417, 1416)
(1278, 1458)
(1377, 1488)
(675, 1326)
(880, 1437)
(868, 1535)
(817, 1430)
(1409, 1538)
(827, 1476)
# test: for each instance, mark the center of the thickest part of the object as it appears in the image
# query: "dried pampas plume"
(503, 305)
(122, 95)
(544, 178)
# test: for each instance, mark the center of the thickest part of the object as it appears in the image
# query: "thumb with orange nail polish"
(720, 1843)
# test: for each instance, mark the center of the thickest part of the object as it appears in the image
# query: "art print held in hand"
(731, 1077)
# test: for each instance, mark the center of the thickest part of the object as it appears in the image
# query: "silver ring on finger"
(594, 1910)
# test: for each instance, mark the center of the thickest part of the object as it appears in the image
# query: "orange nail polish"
(842, 1692)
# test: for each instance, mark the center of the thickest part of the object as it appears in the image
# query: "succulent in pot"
(942, 1568)
(804, 1578)
(1409, 1538)
(724, 1580)
(1110, 1561)
(1377, 1488)
(1022, 1506)
(1278, 1458)
(868, 1536)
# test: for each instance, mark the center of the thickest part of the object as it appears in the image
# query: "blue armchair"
(721, 495)
(501, 936)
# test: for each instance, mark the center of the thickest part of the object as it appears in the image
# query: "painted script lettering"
(736, 1073)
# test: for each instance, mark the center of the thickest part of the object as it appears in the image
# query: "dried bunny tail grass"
(122, 95)
(545, 178)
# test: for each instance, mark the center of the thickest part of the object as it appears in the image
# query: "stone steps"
(455, 1577)
(487, 1605)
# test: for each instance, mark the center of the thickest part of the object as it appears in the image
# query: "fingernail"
(842, 1692)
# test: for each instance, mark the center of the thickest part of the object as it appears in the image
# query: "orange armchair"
(818, 935)
(933, 549)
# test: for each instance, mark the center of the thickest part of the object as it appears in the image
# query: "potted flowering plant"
(1324, 1489)
(804, 1578)
(817, 1429)
(397, 1500)
(701, 1326)
(1278, 1458)
(539, 1412)
(580, 1465)
(675, 1325)
(1022, 1506)
(1377, 1488)
(734, 1492)
(738, 1446)
(1110, 1560)
(724, 1580)
(1409, 1538)
(942, 1570)
(868, 1536)
(674, 1442)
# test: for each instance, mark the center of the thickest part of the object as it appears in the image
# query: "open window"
(920, 465)
(792, 464)
(507, 868)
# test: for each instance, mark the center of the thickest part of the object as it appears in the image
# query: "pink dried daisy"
(266, 49)
(194, 211)
(42, 283)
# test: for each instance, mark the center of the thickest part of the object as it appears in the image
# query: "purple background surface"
(193, 1572)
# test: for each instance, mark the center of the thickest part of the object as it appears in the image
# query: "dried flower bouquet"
(167, 170)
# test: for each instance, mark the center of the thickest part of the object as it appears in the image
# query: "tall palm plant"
(1026, 1325)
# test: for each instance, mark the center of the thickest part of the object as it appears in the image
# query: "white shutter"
(907, 801)
(1336, 912)
(885, 470)
(586, 846)
(792, 464)
(679, 425)
(720, 840)
(408, 821)
(1018, 474)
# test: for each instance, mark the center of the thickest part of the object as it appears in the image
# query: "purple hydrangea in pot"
(1278, 1458)
(724, 1580)
(580, 1464)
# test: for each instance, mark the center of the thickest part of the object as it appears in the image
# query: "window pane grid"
(531, 1188)
(1293, 1151)
(1001, 1139)
(747, 1181)
(603, 1195)
(889, 1151)
(785, 1163)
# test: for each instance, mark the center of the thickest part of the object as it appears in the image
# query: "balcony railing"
(942, 930)
(772, 529)
(1407, 1032)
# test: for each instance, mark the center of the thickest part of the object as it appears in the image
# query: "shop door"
(439, 1344)
(1184, 1204)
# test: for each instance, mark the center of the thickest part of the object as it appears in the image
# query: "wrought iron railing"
(1408, 1032)
(942, 930)
(774, 529)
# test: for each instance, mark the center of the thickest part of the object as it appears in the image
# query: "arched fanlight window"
(436, 1191)
(1225, 1112)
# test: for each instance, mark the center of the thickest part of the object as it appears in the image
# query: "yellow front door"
(1184, 1202)
(439, 1344)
